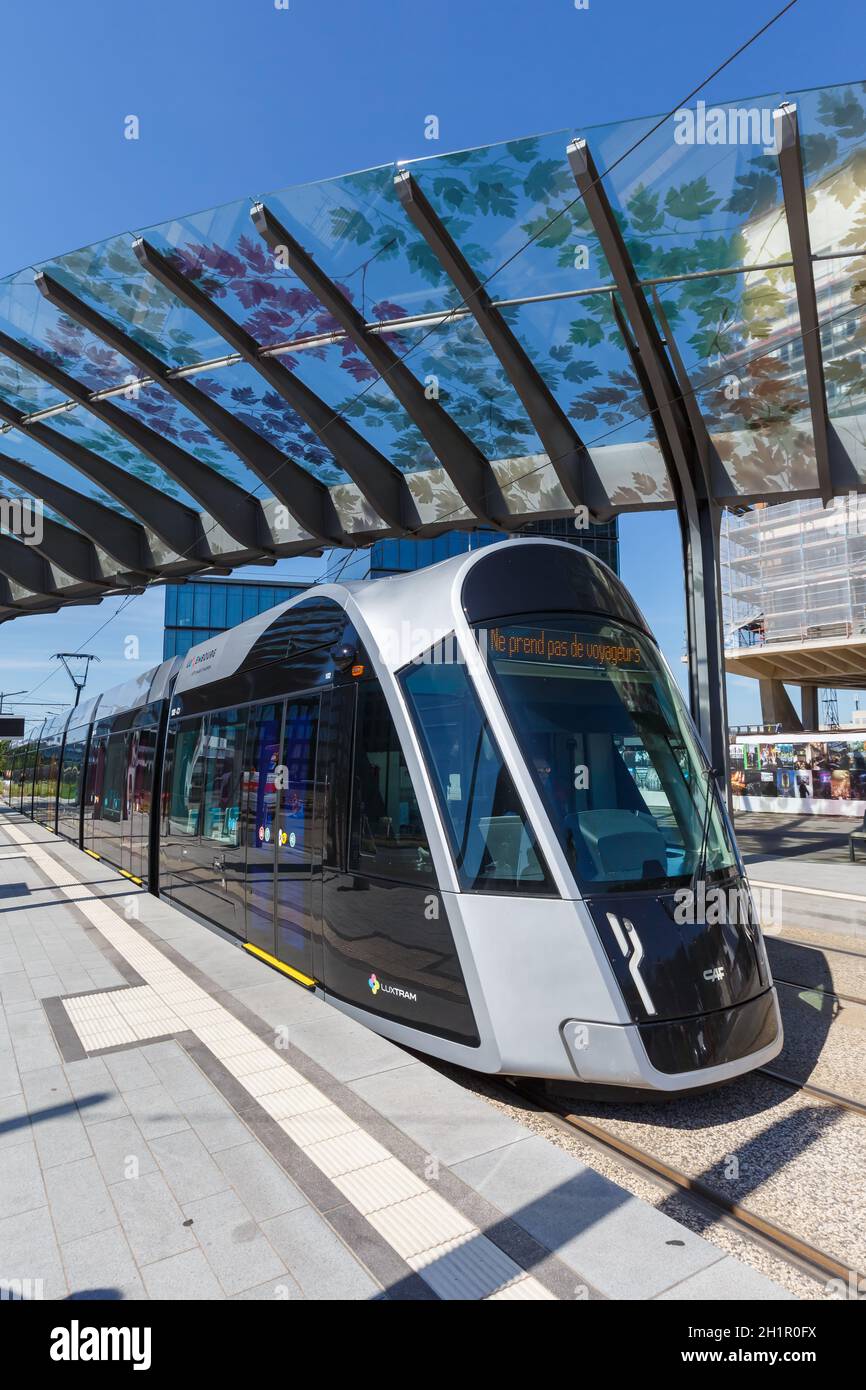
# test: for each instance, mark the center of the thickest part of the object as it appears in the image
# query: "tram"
(466, 806)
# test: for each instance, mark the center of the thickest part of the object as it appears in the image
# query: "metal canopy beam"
(306, 498)
(787, 143)
(23, 566)
(70, 552)
(124, 540)
(699, 515)
(563, 445)
(233, 508)
(177, 526)
(381, 483)
(463, 461)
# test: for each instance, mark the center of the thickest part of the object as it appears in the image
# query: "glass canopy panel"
(87, 431)
(843, 341)
(576, 346)
(109, 278)
(23, 390)
(248, 397)
(700, 193)
(27, 316)
(221, 252)
(474, 389)
(343, 377)
(764, 434)
(152, 406)
(832, 124)
(357, 232)
(514, 211)
(17, 445)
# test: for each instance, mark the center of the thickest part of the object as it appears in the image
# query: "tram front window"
(605, 734)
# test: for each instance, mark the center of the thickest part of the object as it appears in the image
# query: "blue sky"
(237, 98)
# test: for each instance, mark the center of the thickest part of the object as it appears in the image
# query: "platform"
(178, 1121)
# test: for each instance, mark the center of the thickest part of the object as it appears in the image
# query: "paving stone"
(155, 1112)
(151, 1219)
(101, 1266)
(317, 1258)
(189, 1169)
(28, 1250)
(178, 1074)
(236, 1249)
(95, 1091)
(32, 1039)
(14, 1121)
(259, 1181)
(21, 1186)
(445, 1120)
(115, 1143)
(346, 1049)
(57, 1129)
(79, 1200)
(214, 1121)
(15, 987)
(46, 986)
(612, 1240)
(726, 1280)
(182, 1277)
(280, 1290)
(130, 1069)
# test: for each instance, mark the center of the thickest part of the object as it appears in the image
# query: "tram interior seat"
(619, 843)
(615, 835)
(510, 847)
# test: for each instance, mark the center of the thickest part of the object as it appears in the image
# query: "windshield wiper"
(710, 774)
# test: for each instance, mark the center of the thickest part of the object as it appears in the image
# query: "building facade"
(794, 601)
(399, 556)
(202, 608)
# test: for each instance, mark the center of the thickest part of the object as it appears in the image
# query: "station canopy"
(502, 335)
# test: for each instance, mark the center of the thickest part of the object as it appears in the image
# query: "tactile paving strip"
(447, 1251)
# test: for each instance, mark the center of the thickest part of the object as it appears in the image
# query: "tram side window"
(494, 848)
(187, 763)
(387, 835)
(223, 756)
(70, 775)
(114, 780)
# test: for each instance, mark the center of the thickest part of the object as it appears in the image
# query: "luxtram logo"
(77, 1343)
(376, 985)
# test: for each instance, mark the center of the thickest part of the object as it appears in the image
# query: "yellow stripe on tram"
(280, 965)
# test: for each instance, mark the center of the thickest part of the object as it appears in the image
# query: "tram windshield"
(607, 739)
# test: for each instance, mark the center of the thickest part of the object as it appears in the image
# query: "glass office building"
(399, 556)
(202, 608)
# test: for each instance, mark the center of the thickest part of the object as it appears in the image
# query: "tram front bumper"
(677, 1054)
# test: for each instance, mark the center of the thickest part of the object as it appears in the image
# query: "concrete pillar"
(776, 707)
(809, 705)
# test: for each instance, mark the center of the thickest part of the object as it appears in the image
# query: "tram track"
(807, 1258)
(819, 1092)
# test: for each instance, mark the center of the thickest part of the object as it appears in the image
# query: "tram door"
(261, 759)
(299, 839)
(283, 832)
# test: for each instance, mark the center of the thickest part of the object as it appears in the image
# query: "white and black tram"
(466, 805)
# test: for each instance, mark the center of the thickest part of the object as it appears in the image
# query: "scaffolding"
(794, 572)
